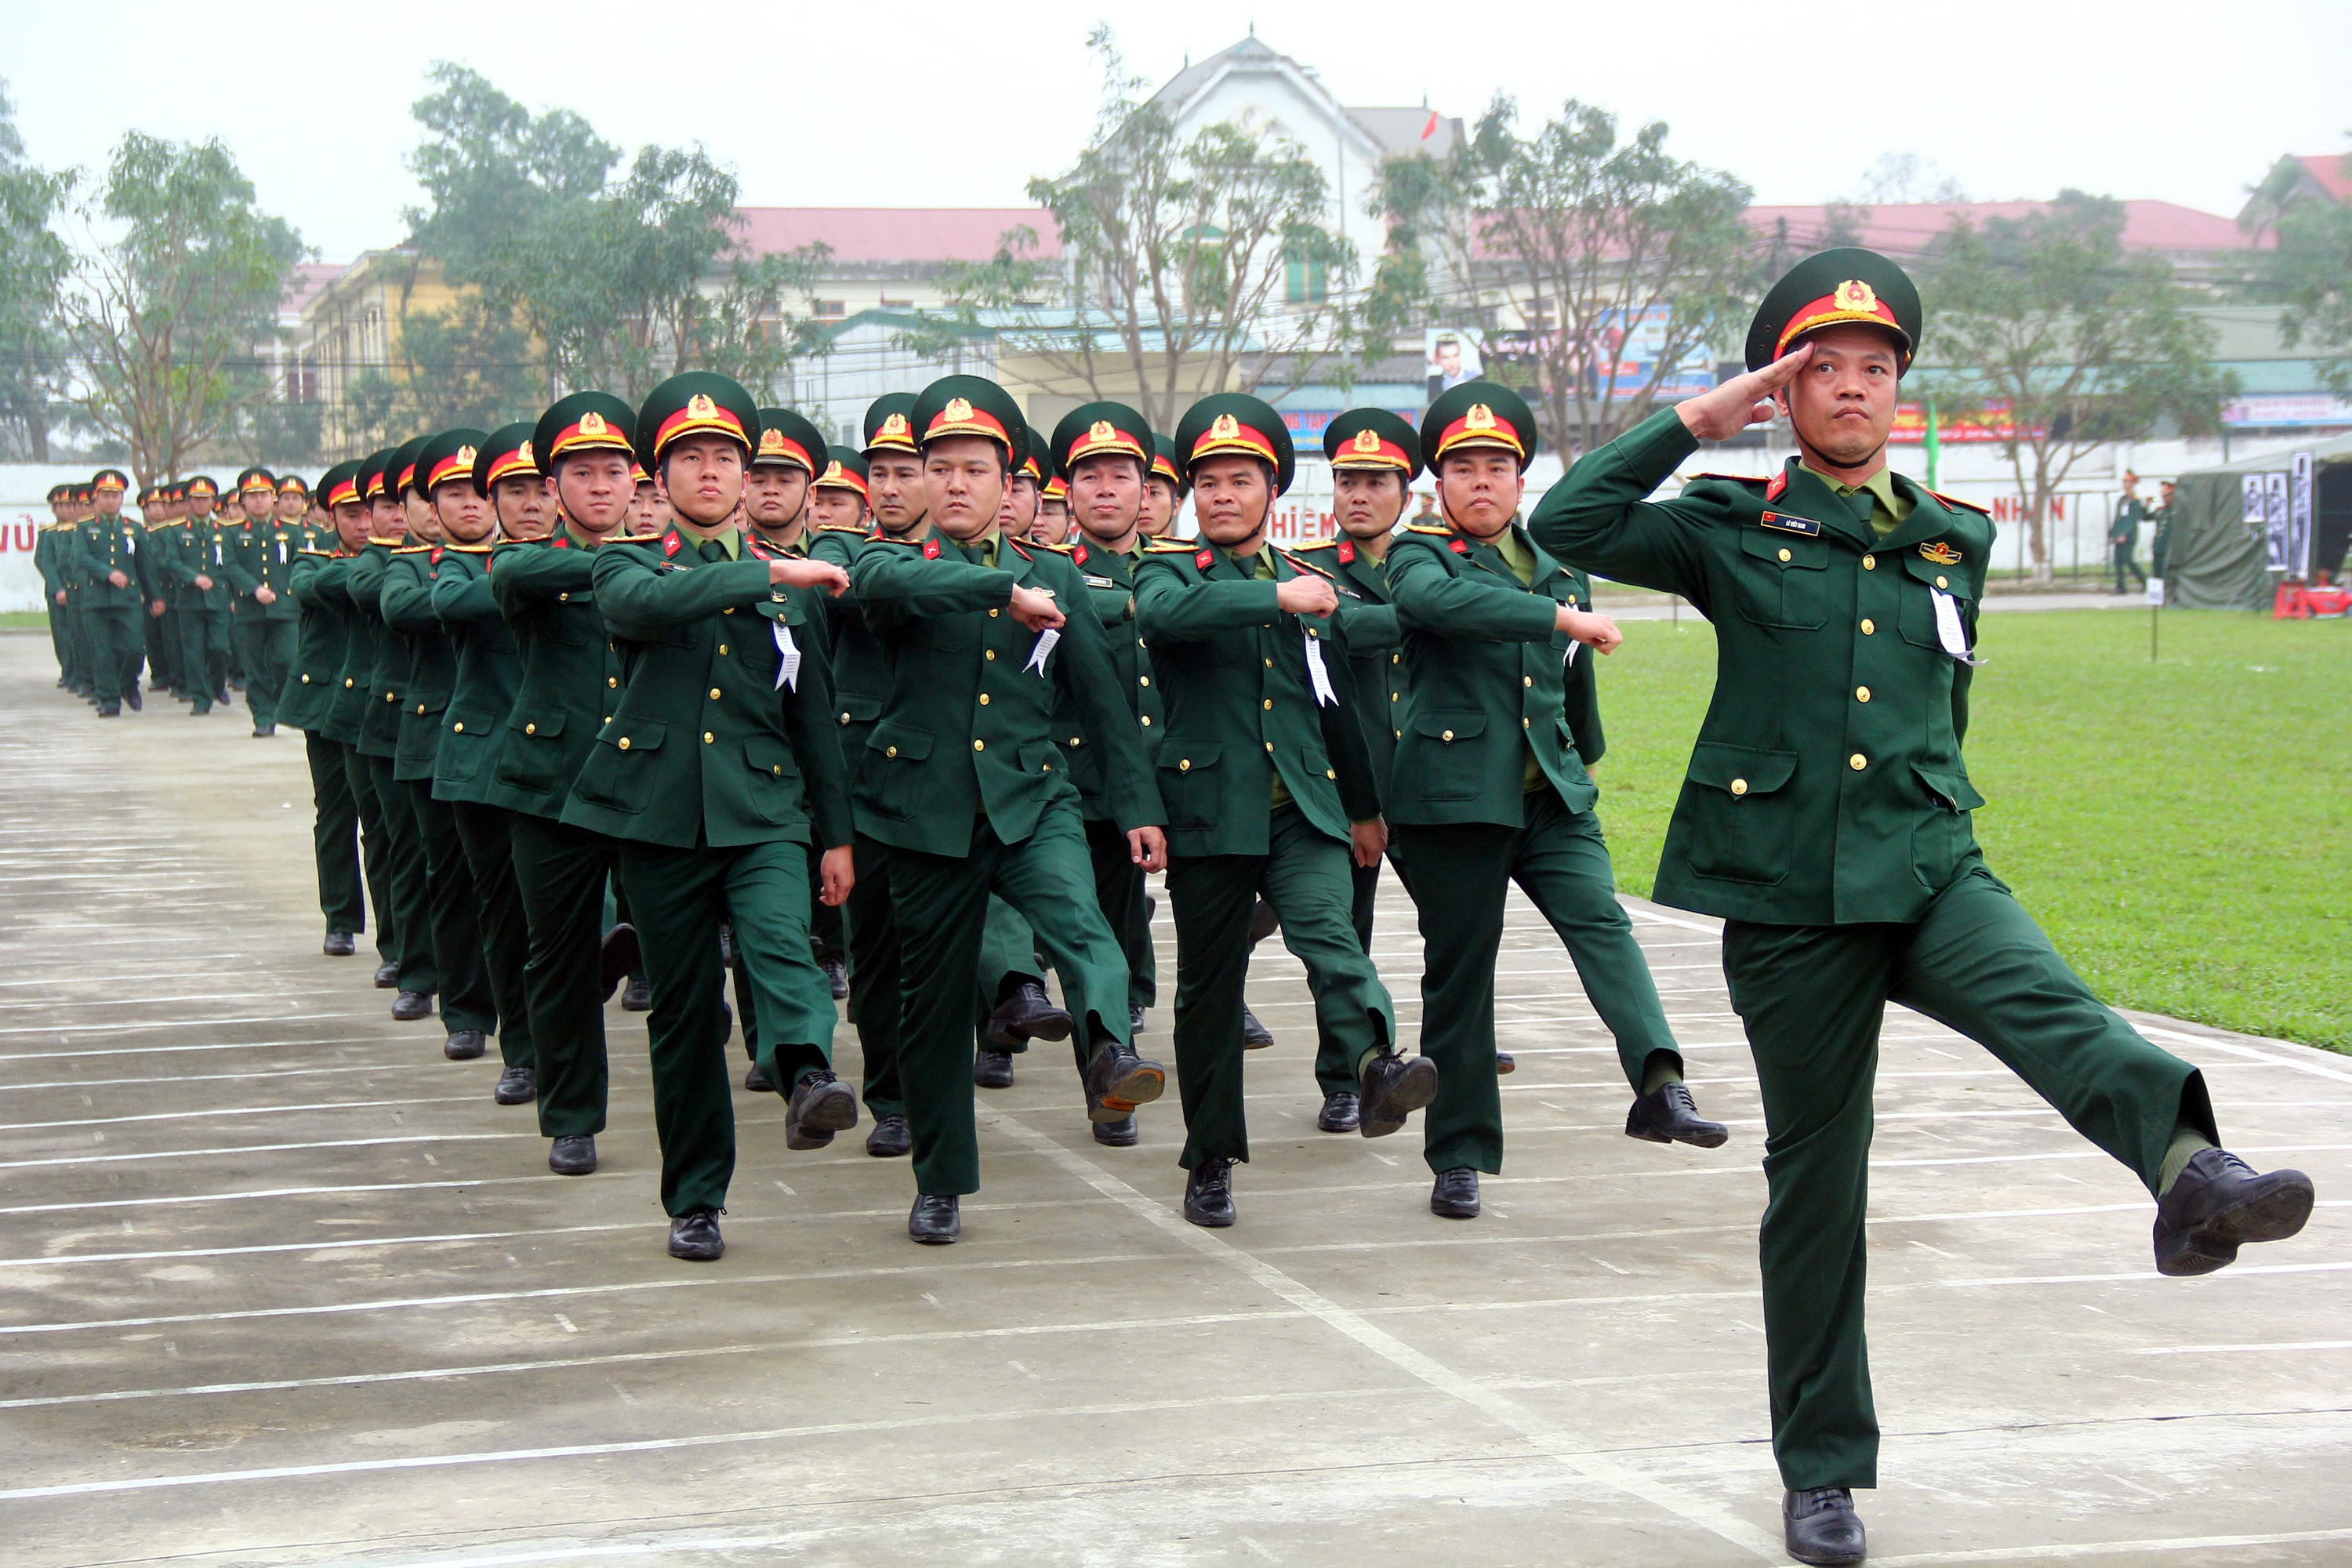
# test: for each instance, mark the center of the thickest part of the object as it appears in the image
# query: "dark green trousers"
(679, 897)
(940, 902)
(486, 835)
(375, 854)
(404, 864)
(160, 636)
(1334, 1072)
(60, 637)
(204, 654)
(872, 935)
(267, 647)
(1461, 876)
(560, 872)
(1119, 891)
(826, 944)
(334, 835)
(115, 653)
(453, 914)
(1304, 874)
(1812, 998)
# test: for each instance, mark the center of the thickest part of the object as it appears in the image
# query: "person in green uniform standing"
(294, 508)
(1497, 724)
(262, 618)
(570, 679)
(354, 518)
(2122, 533)
(163, 516)
(378, 746)
(961, 778)
(718, 775)
(1269, 790)
(117, 589)
(322, 633)
(46, 549)
(1825, 816)
(200, 568)
(511, 501)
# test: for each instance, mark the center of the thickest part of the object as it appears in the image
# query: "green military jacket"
(1488, 681)
(409, 616)
(348, 704)
(103, 547)
(1375, 647)
(2131, 512)
(710, 742)
(1242, 708)
(487, 675)
(321, 639)
(199, 549)
(379, 712)
(1826, 786)
(571, 674)
(860, 660)
(1109, 579)
(968, 729)
(263, 553)
(46, 545)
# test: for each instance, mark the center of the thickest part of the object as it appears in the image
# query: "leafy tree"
(490, 167)
(2310, 268)
(163, 322)
(34, 266)
(2087, 343)
(1555, 248)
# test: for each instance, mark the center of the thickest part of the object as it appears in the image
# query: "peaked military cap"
(89, 492)
(1094, 429)
(203, 484)
(1034, 459)
(889, 424)
(786, 438)
(371, 474)
(504, 453)
(969, 406)
(584, 422)
(260, 479)
(1478, 413)
(400, 473)
(293, 483)
(448, 459)
(1163, 461)
(1829, 288)
(1373, 438)
(1056, 488)
(695, 403)
(1235, 423)
(845, 469)
(344, 484)
(60, 493)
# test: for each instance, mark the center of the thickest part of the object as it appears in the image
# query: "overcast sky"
(957, 105)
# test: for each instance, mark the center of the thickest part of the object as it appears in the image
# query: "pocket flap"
(548, 724)
(1184, 755)
(896, 740)
(1449, 726)
(1740, 770)
(1950, 786)
(629, 733)
(1950, 578)
(860, 708)
(1785, 549)
(770, 754)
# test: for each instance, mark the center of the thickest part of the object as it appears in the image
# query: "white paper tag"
(1570, 662)
(1317, 676)
(1038, 655)
(1948, 626)
(788, 667)
(2156, 592)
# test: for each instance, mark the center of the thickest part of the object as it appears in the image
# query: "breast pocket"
(1189, 783)
(1781, 580)
(1925, 580)
(1740, 811)
(533, 758)
(889, 779)
(1443, 752)
(620, 772)
(776, 789)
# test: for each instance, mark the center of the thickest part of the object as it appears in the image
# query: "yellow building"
(351, 326)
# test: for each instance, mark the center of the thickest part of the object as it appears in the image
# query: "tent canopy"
(2215, 560)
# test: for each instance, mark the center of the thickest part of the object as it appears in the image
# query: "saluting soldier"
(262, 551)
(512, 501)
(407, 880)
(322, 648)
(1826, 817)
(718, 775)
(1269, 790)
(962, 780)
(1497, 722)
(117, 591)
(571, 679)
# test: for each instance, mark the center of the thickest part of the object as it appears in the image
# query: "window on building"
(1305, 278)
(833, 309)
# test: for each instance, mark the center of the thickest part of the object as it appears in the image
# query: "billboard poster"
(2274, 515)
(2298, 516)
(1633, 349)
(1449, 357)
(2256, 508)
(1989, 421)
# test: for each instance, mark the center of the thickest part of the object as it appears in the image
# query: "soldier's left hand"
(1149, 847)
(1369, 840)
(1596, 632)
(838, 873)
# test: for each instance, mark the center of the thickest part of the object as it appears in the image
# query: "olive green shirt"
(1888, 506)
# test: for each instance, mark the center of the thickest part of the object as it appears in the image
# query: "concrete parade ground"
(278, 1284)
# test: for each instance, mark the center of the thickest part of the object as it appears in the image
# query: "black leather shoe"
(264, 731)
(220, 697)
(1120, 1134)
(411, 1006)
(1339, 1114)
(1028, 1014)
(137, 703)
(1118, 1080)
(1264, 921)
(2219, 1204)
(1669, 1115)
(517, 1085)
(637, 996)
(573, 1156)
(821, 1106)
(617, 957)
(891, 1138)
(992, 1069)
(836, 975)
(464, 1045)
(756, 1081)
(693, 1236)
(339, 944)
(1819, 1525)
(387, 975)
(1503, 1063)
(1209, 1194)
(1134, 1018)
(1255, 1036)
(1394, 1087)
(1456, 1193)
(934, 1221)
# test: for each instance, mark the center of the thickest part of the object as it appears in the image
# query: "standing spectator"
(2162, 517)
(2123, 533)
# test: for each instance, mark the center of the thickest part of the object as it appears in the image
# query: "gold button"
(979, 745)
(1269, 747)
(420, 708)
(1394, 695)
(1527, 680)
(624, 742)
(1147, 723)
(1185, 767)
(1571, 600)
(1740, 786)
(347, 683)
(991, 615)
(777, 768)
(1870, 563)
(1269, 703)
(530, 728)
(1269, 664)
(305, 680)
(1861, 694)
(1857, 761)
(391, 696)
(564, 599)
(1784, 555)
(1868, 626)
(984, 700)
(722, 650)
(1143, 680)
(991, 653)
(458, 728)
(844, 718)
(1447, 736)
(1523, 723)
(1398, 733)
(1943, 582)
(608, 718)
(1141, 643)
(714, 694)
(708, 738)
(611, 680)
(892, 752)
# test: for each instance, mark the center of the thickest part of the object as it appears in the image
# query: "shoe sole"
(1826, 1559)
(1503, 1063)
(1207, 1222)
(504, 1097)
(1055, 1027)
(463, 1053)
(1649, 1134)
(1140, 1085)
(2272, 1216)
(698, 1254)
(1250, 1044)
(1454, 1211)
(1127, 1141)
(572, 1170)
(889, 1151)
(937, 1238)
(1415, 1089)
(1347, 1126)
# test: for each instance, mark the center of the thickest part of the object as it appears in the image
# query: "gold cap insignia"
(591, 424)
(1225, 427)
(1101, 431)
(770, 441)
(466, 456)
(1367, 439)
(893, 425)
(958, 410)
(833, 470)
(1480, 417)
(700, 406)
(1853, 294)
(523, 452)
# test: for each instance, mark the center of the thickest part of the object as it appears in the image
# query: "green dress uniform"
(102, 547)
(319, 588)
(1263, 769)
(2123, 539)
(962, 779)
(570, 678)
(377, 748)
(162, 635)
(202, 612)
(262, 554)
(1825, 816)
(47, 549)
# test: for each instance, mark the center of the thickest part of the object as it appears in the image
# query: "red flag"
(1430, 129)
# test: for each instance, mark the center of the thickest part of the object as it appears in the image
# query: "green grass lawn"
(24, 621)
(2182, 829)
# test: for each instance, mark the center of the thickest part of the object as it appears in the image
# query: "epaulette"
(1021, 548)
(413, 550)
(1041, 544)
(894, 539)
(467, 549)
(840, 527)
(321, 554)
(1437, 528)
(1955, 500)
(1304, 565)
(1733, 479)
(387, 543)
(1169, 547)
(634, 538)
(1316, 544)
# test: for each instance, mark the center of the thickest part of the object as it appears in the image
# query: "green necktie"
(712, 549)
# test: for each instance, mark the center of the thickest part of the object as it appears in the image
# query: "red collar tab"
(1779, 482)
(931, 548)
(1206, 559)
(1078, 553)
(672, 543)
(1458, 545)
(1346, 552)
(561, 541)
(436, 556)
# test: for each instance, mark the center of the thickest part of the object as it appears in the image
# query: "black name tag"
(1787, 524)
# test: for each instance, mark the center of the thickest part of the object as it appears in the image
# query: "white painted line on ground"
(2246, 1350)
(262, 1149)
(239, 1110)
(2317, 1069)
(2112, 1548)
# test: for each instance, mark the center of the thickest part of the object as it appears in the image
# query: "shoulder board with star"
(1041, 544)
(1312, 545)
(321, 554)
(1322, 572)
(1434, 530)
(1169, 547)
(849, 527)
(1956, 502)
(413, 550)
(462, 548)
